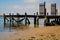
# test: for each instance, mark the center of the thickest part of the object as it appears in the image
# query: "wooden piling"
(56, 19)
(48, 20)
(25, 18)
(4, 20)
(28, 21)
(10, 19)
(59, 19)
(18, 19)
(34, 19)
(37, 19)
(45, 21)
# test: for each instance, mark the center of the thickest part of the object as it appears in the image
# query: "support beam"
(59, 19)
(28, 21)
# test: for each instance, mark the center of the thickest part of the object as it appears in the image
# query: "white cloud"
(30, 1)
(30, 9)
(17, 7)
(14, 6)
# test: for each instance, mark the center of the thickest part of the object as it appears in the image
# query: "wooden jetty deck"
(40, 16)
(36, 18)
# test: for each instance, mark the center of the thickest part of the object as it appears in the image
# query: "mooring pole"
(48, 20)
(10, 19)
(55, 19)
(45, 21)
(17, 19)
(25, 18)
(4, 20)
(59, 19)
(37, 19)
(34, 19)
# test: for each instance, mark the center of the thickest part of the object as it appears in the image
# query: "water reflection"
(16, 27)
(22, 26)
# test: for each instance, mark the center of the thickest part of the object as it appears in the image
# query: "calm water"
(7, 28)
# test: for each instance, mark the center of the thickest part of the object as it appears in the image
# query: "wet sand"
(41, 33)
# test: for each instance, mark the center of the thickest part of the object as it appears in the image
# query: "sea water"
(7, 28)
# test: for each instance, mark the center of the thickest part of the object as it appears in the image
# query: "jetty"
(27, 21)
(42, 14)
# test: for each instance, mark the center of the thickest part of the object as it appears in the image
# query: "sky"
(22, 6)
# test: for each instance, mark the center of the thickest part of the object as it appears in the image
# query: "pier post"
(34, 19)
(59, 19)
(37, 19)
(56, 19)
(45, 21)
(28, 21)
(10, 19)
(48, 20)
(4, 20)
(25, 18)
(18, 19)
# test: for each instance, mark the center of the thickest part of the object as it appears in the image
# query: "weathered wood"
(18, 19)
(45, 20)
(10, 19)
(37, 19)
(34, 20)
(4, 20)
(25, 18)
(48, 20)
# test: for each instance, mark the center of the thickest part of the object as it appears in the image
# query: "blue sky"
(22, 6)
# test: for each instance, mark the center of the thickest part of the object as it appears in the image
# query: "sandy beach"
(41, 33)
